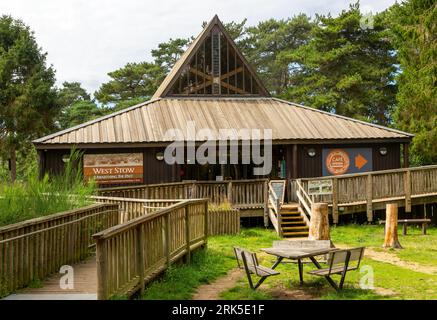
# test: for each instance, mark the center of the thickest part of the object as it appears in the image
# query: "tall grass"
(39, 197)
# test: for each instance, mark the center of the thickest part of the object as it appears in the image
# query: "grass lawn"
(390, 281)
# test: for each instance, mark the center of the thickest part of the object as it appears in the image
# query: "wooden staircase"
(292, 223)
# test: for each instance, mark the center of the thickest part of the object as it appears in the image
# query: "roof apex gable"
(185, 59)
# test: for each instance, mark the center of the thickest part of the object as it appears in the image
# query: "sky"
(86, 39)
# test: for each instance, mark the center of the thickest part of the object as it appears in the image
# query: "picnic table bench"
(406, 222)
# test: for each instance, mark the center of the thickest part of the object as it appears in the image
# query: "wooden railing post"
(335, 200)
(369, 197)
(140, 258)
(167, 238)
(407, 188)
(266, 203)
(206, 221)
(101, 269)
(230, 192)
(187, 233)
(278, 215)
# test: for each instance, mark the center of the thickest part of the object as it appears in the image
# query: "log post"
(391, 227)
(319, 224)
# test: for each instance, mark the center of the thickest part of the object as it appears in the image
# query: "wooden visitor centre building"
(214, 86)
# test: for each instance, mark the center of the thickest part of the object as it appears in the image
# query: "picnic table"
(282, 253)
(405, 222)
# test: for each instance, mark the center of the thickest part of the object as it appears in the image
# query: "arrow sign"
(360, 161)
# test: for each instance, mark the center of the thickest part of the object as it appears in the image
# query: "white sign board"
(319, 187)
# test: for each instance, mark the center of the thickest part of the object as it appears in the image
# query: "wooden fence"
(239, 193)
(133, 253)
(373, 188)
(131, 208)
(35, 248)
(222, 222)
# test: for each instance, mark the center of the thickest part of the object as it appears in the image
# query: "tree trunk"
(13, 164)
(391, 227)
(319, 223)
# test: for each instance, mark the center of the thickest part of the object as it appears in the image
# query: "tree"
(415, 38)
(134, 80)
(266, 44)
(76, 105)
(71, 93)
(169, 52)
(346, 68)
(27, 95)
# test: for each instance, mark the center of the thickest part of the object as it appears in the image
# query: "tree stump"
(391, 227)
(319, 223)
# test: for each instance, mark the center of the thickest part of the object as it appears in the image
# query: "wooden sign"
(278, 187)
(116, 168)
(319, 187)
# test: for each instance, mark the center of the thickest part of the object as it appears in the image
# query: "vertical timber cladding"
(336, 161)
(113, 168)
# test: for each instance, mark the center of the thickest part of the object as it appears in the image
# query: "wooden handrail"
(130, 254)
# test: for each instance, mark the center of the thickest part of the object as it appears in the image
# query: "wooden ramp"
(85, 285)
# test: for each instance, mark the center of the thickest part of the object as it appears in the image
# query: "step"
(287, 218)
(293, 222)
(289, 213)
(295, 228)
(295, 234)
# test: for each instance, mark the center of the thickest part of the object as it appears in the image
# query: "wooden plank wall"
(223, 222)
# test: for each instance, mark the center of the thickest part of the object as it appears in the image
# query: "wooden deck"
(85, 285)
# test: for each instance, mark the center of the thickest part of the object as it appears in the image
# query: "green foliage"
(133, 81)
(77, 106)
(414, 31)
(266, 45)
(169, 52)
(27, 95)
(39, 197)
(345, 68)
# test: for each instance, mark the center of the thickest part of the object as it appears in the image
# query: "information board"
(116, 168)
(278, 187)
(319, 187)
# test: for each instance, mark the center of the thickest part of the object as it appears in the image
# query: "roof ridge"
(90, 122)
(344, 117)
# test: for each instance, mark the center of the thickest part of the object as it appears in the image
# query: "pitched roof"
(149, 121)
(186, 61)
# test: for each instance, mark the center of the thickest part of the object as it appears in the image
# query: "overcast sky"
(86, 39)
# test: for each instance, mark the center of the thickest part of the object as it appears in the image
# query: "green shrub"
(39, 197)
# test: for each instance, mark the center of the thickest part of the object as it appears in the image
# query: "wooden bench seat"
(339, 262)
(327, 271)
(406, 222)
(249, 261)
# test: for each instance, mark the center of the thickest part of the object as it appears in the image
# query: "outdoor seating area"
(339, 262)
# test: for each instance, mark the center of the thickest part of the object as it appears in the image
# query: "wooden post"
(406, 155)
(319, 223)
(294, 164)
(101, 269)
(391, 227)
(407, 188)
(266, 203)
(187, 234)
(167, 239)
(335, 200)
(230, 192)
(206, 226)
(278, 207)
(369, 197)
(140, 258)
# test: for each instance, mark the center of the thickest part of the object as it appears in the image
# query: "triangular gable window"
(216, 68)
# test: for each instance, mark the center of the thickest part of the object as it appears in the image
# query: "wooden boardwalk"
(85, 285)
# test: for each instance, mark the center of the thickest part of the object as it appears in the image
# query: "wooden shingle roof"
(148, 122)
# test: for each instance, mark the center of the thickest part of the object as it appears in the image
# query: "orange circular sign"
(337, 162)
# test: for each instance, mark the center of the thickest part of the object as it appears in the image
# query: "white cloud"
(87, 39)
